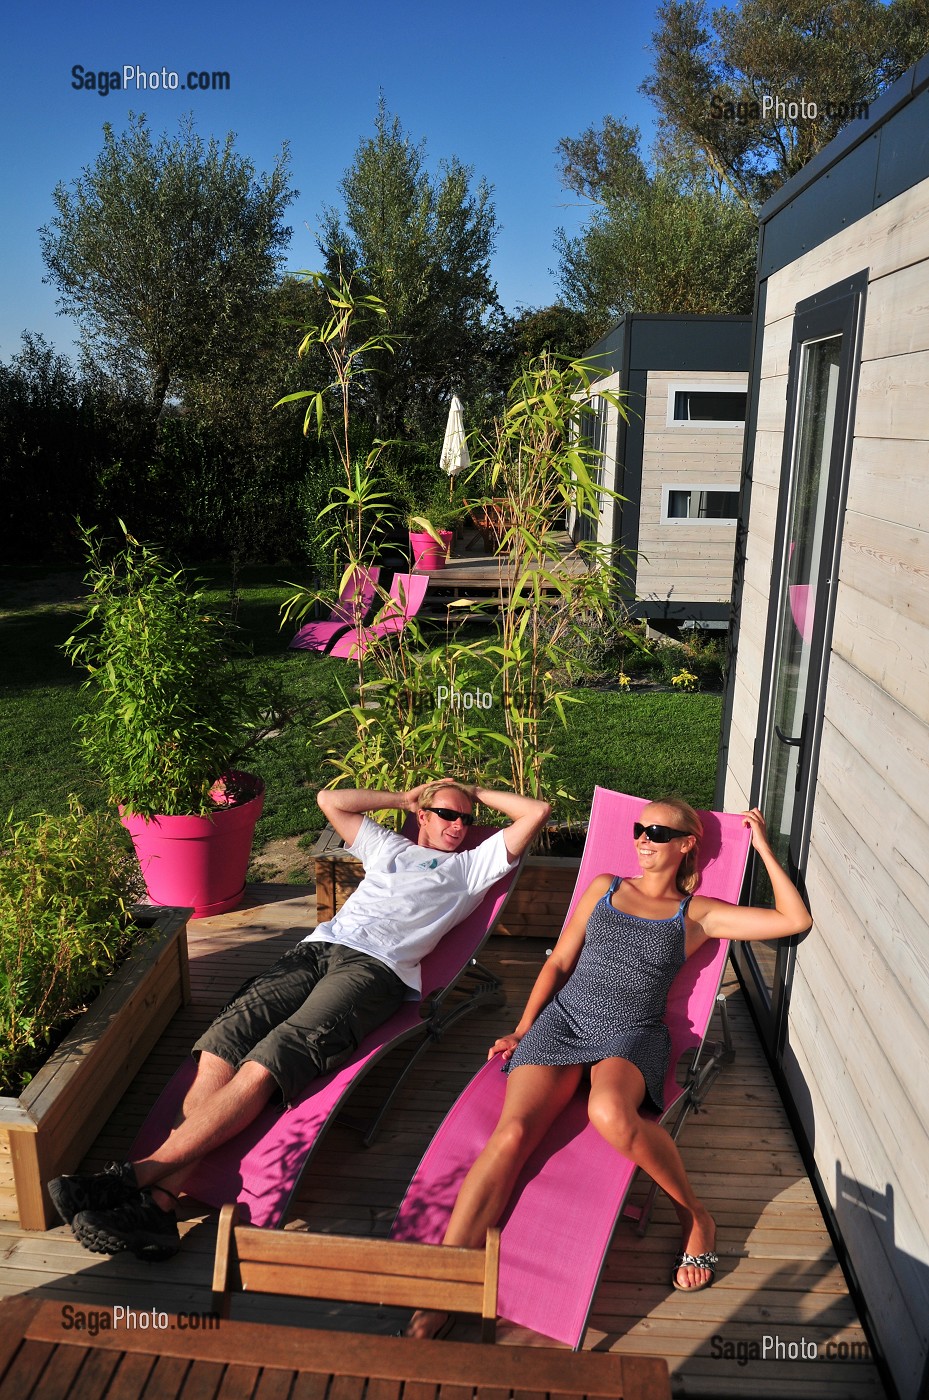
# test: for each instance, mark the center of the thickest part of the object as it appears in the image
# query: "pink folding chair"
(261, 1167)
(352, 609)
(557, 1229)
(407, 592)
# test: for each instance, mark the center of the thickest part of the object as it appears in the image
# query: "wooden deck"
(778, 1280)
(471, 575)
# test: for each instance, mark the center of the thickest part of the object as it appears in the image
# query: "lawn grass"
(648, 742)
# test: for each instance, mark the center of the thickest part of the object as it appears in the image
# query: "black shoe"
(99, 1191)
(138, 1225)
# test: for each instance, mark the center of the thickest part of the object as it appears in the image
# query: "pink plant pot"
(198, 862)
(427, 554)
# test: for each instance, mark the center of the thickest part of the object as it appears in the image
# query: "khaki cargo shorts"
(306, 1014)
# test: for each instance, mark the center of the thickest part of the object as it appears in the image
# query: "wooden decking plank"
(32, 1359)
(275, 1385)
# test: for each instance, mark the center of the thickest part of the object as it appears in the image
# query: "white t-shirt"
(410, 896)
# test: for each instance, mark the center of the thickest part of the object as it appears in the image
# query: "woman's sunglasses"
(448, 814)
(657, 834)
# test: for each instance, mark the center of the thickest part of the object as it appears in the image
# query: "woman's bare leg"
(617, 1090)
(535, 1096)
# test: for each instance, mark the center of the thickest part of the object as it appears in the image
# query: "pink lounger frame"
(558, 1227)
(261, 1167)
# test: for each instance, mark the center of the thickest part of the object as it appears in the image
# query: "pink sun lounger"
(355, 603)
(407, 592)
(261, 1167)
(558, 1227)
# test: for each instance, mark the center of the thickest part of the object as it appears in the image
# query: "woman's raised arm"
(744, 922)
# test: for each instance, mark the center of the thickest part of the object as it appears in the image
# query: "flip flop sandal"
(696, 1261)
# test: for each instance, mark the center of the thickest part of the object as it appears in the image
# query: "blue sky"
(495, 84)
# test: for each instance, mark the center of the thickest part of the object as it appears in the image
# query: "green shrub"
(66, 884)
(169, 712)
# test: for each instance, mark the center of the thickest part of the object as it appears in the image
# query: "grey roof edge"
(674, 316)
(913, 81)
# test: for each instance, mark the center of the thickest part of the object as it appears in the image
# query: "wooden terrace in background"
(479, 576)
(778, 1277)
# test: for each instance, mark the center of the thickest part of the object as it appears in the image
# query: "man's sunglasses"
(660, 835)
(448, 814)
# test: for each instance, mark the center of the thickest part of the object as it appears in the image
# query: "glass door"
(816, 451)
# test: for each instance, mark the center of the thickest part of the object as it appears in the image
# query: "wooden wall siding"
(894, 474)
(892, 397)
(893, 238)
(857, 1060)
(687, 562)
(866, 1131)
(897, 322)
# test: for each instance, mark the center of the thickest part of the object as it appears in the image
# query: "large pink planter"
(197, 861)
(427, 554)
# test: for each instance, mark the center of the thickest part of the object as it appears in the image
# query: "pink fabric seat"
(407, 592)
(261, 1167)
(557, 1229)
(354, 605)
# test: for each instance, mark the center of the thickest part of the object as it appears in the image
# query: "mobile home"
(826, 721)
(676, 461)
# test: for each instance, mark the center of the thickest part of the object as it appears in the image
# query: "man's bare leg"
(226, 1101)
(212, 1075)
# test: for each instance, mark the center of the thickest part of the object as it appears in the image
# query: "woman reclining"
(598, 1004)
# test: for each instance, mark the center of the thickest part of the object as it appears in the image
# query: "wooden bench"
(351, 1269)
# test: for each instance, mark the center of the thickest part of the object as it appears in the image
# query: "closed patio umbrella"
(455, 457)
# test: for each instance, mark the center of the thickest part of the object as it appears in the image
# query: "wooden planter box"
(535, 909)
(48, 1129)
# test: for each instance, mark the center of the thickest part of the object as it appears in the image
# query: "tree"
(422, 245)
(718, 79)
(64, 439)
(164, 252)
(657, 241)
(746, 96)
(559, 329)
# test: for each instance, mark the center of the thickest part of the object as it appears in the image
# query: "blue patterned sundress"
(614, 1001)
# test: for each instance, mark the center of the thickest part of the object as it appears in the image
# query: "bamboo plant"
(540, 465)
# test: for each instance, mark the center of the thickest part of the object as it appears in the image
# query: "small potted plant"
(170, 716)
(433, 516)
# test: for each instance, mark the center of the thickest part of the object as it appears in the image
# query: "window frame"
(705, 386)
(699, 520)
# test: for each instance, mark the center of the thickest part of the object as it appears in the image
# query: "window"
(706, 405)
(718, 504)
(592, 434)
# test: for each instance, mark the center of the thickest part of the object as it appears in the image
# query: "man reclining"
(310, 1010)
